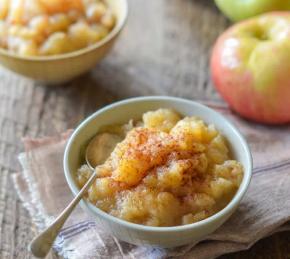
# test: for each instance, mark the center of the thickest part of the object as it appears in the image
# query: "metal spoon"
(97, 152)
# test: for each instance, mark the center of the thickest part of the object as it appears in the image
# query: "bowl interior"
(133, 109)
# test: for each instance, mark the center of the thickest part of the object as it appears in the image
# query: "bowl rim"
(116, 30)
(217, 216)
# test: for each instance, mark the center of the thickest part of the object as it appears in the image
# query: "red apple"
(250, 67)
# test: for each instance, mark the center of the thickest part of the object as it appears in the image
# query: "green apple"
(237, 10)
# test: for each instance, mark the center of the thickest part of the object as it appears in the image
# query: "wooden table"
(164, 50)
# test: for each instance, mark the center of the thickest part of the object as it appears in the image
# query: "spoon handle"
(42, 243)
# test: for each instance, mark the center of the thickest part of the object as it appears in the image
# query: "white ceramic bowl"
(121, 112)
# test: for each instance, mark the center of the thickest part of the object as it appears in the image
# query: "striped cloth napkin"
(265, 209)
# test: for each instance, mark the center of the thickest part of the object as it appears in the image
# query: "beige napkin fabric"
(265, 209)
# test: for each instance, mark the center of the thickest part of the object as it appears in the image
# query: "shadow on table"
(103, 85)
(209, 4)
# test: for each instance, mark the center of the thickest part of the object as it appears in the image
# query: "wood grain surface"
(164, 50)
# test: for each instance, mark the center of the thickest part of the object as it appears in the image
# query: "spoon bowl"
(99, 148)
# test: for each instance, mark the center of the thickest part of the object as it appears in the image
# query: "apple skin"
(250, 68)
(238, 10)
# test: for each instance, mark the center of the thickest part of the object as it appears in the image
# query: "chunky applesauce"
(165, 171)
(51, 27)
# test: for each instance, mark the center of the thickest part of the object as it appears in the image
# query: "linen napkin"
(265, 209)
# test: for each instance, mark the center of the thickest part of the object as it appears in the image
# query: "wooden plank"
(164, 49)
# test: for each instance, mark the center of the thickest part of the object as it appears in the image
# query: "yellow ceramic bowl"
(61, 68)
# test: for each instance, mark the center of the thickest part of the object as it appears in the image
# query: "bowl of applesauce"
(54, 41)
(170, 170)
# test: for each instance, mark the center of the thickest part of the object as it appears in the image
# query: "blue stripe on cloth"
(68, 230)
(78, 231)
